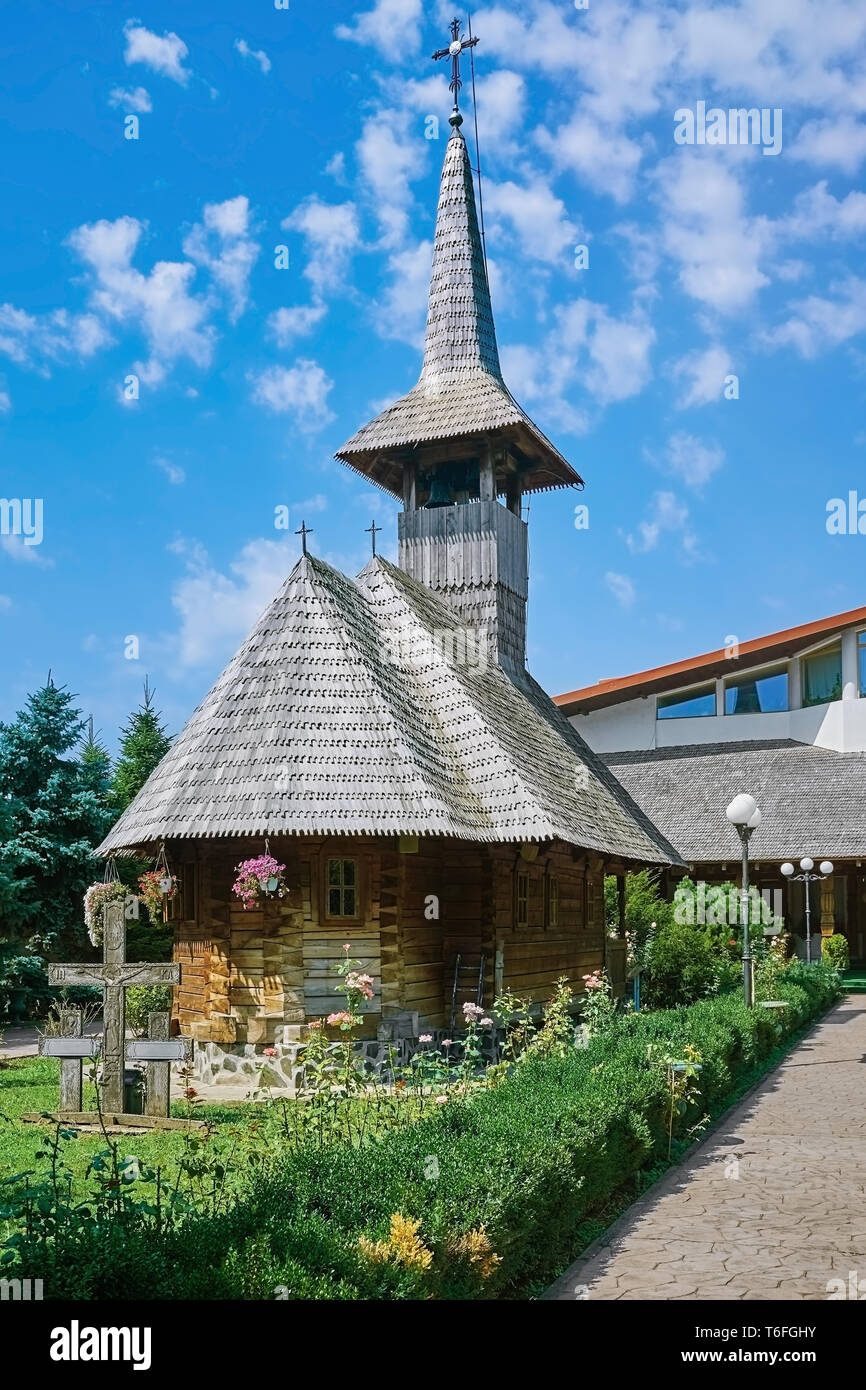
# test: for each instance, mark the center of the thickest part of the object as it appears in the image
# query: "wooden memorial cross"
(72, 1048)
(114, 977)
(158, 1050)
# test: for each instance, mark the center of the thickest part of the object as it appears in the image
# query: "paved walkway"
(771, 1205)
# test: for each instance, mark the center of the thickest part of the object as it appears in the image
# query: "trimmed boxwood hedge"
(527, 1162)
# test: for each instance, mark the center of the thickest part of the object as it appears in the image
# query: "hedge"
(492, 1190)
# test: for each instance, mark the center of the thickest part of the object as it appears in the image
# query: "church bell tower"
(458, 449)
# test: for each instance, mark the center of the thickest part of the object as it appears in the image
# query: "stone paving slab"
(770, 1206)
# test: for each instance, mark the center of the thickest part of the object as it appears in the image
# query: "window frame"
(521, 898)
(343, 859)
(551, 902)
(861, 664)
(829, 649)
(761, 673)
(689, 693)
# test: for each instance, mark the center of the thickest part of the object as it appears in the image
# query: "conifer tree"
(143, 744)
(54, 817)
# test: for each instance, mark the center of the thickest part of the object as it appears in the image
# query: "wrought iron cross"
(453, 51)
(303, 532)
(371, 531)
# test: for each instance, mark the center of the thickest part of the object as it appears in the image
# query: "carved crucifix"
(453, 51)
(114, 977)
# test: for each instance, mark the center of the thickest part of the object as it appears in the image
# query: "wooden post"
(514, 495)
(410, 486)
(158, 1083)
(487, 483)
(114, 1010)
(620, 901)
(71, 1026)
(828, 906)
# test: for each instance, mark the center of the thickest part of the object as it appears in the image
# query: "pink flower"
(441, 1100)
(341, 1019)
(347, 945)
(425, 1037)
(471, 1012)
(269, 1052)
(447, 1042)
(315, 1023)
(486, 1022)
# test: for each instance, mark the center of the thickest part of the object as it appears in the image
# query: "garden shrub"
(484, 1196)
(834, 950)
(680, 966)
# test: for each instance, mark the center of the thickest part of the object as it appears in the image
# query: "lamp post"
(745, 817)
(808, 877)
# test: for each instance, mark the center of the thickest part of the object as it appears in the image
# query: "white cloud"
(701, 375)
(134, 99)
(392, 26)
(818, 324)
(332, 234)
(691, 460)
(257, 54)
(404, 301)
(176, 476)
(33, 340)
(707, 230)
(666, 513)
(5, 603)
(839, 142)
(817, 213)
(539, 218)
(222, 243)
(173, 321)
(300, 391)
(604, 158)
(164, 54)
(621, 587)
(216, 610)
(18, 550)
(501, 107)
(390, 156)
(5, 402)
(336, 167)
(287, 324)
(617, 350)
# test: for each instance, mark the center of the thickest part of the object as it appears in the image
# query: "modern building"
(782, 717)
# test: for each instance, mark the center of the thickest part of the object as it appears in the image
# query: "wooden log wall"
(244, 974)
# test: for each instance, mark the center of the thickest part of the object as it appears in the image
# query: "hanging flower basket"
(96, 899)
(258, 879)
(156, 888)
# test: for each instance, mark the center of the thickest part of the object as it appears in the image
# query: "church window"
(861, 661)
(522, 900)
(552, 901)
(342, 888)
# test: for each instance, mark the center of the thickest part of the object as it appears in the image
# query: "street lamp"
(745, 817)
(808, 876)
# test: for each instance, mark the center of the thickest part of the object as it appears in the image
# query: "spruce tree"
(55, 816)
(143, 743)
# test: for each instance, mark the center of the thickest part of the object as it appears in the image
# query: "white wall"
(632, 724)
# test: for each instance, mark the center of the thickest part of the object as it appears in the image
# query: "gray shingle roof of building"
(461, 391)
(813, 800)
(348, 710)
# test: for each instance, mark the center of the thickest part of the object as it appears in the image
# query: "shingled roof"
(461, 392)
(813, 800)
(349, 711)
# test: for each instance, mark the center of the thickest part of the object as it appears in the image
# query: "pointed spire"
(460, 334)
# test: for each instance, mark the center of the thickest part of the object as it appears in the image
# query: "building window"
(593, 904)
(761, 694)
(552, 915)
(822, 677)
(342, 888)
(687, 703)
(861, 661)
(522, 900)
(182, 907)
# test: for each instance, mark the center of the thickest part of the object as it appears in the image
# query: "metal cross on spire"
(371, 531)
(303, 531)
(453, 51)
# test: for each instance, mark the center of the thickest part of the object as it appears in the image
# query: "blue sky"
(307, 127)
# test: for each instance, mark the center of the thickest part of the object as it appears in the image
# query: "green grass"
(31, 1085)
(854, 980)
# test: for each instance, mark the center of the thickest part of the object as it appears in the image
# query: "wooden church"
(381, 736)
